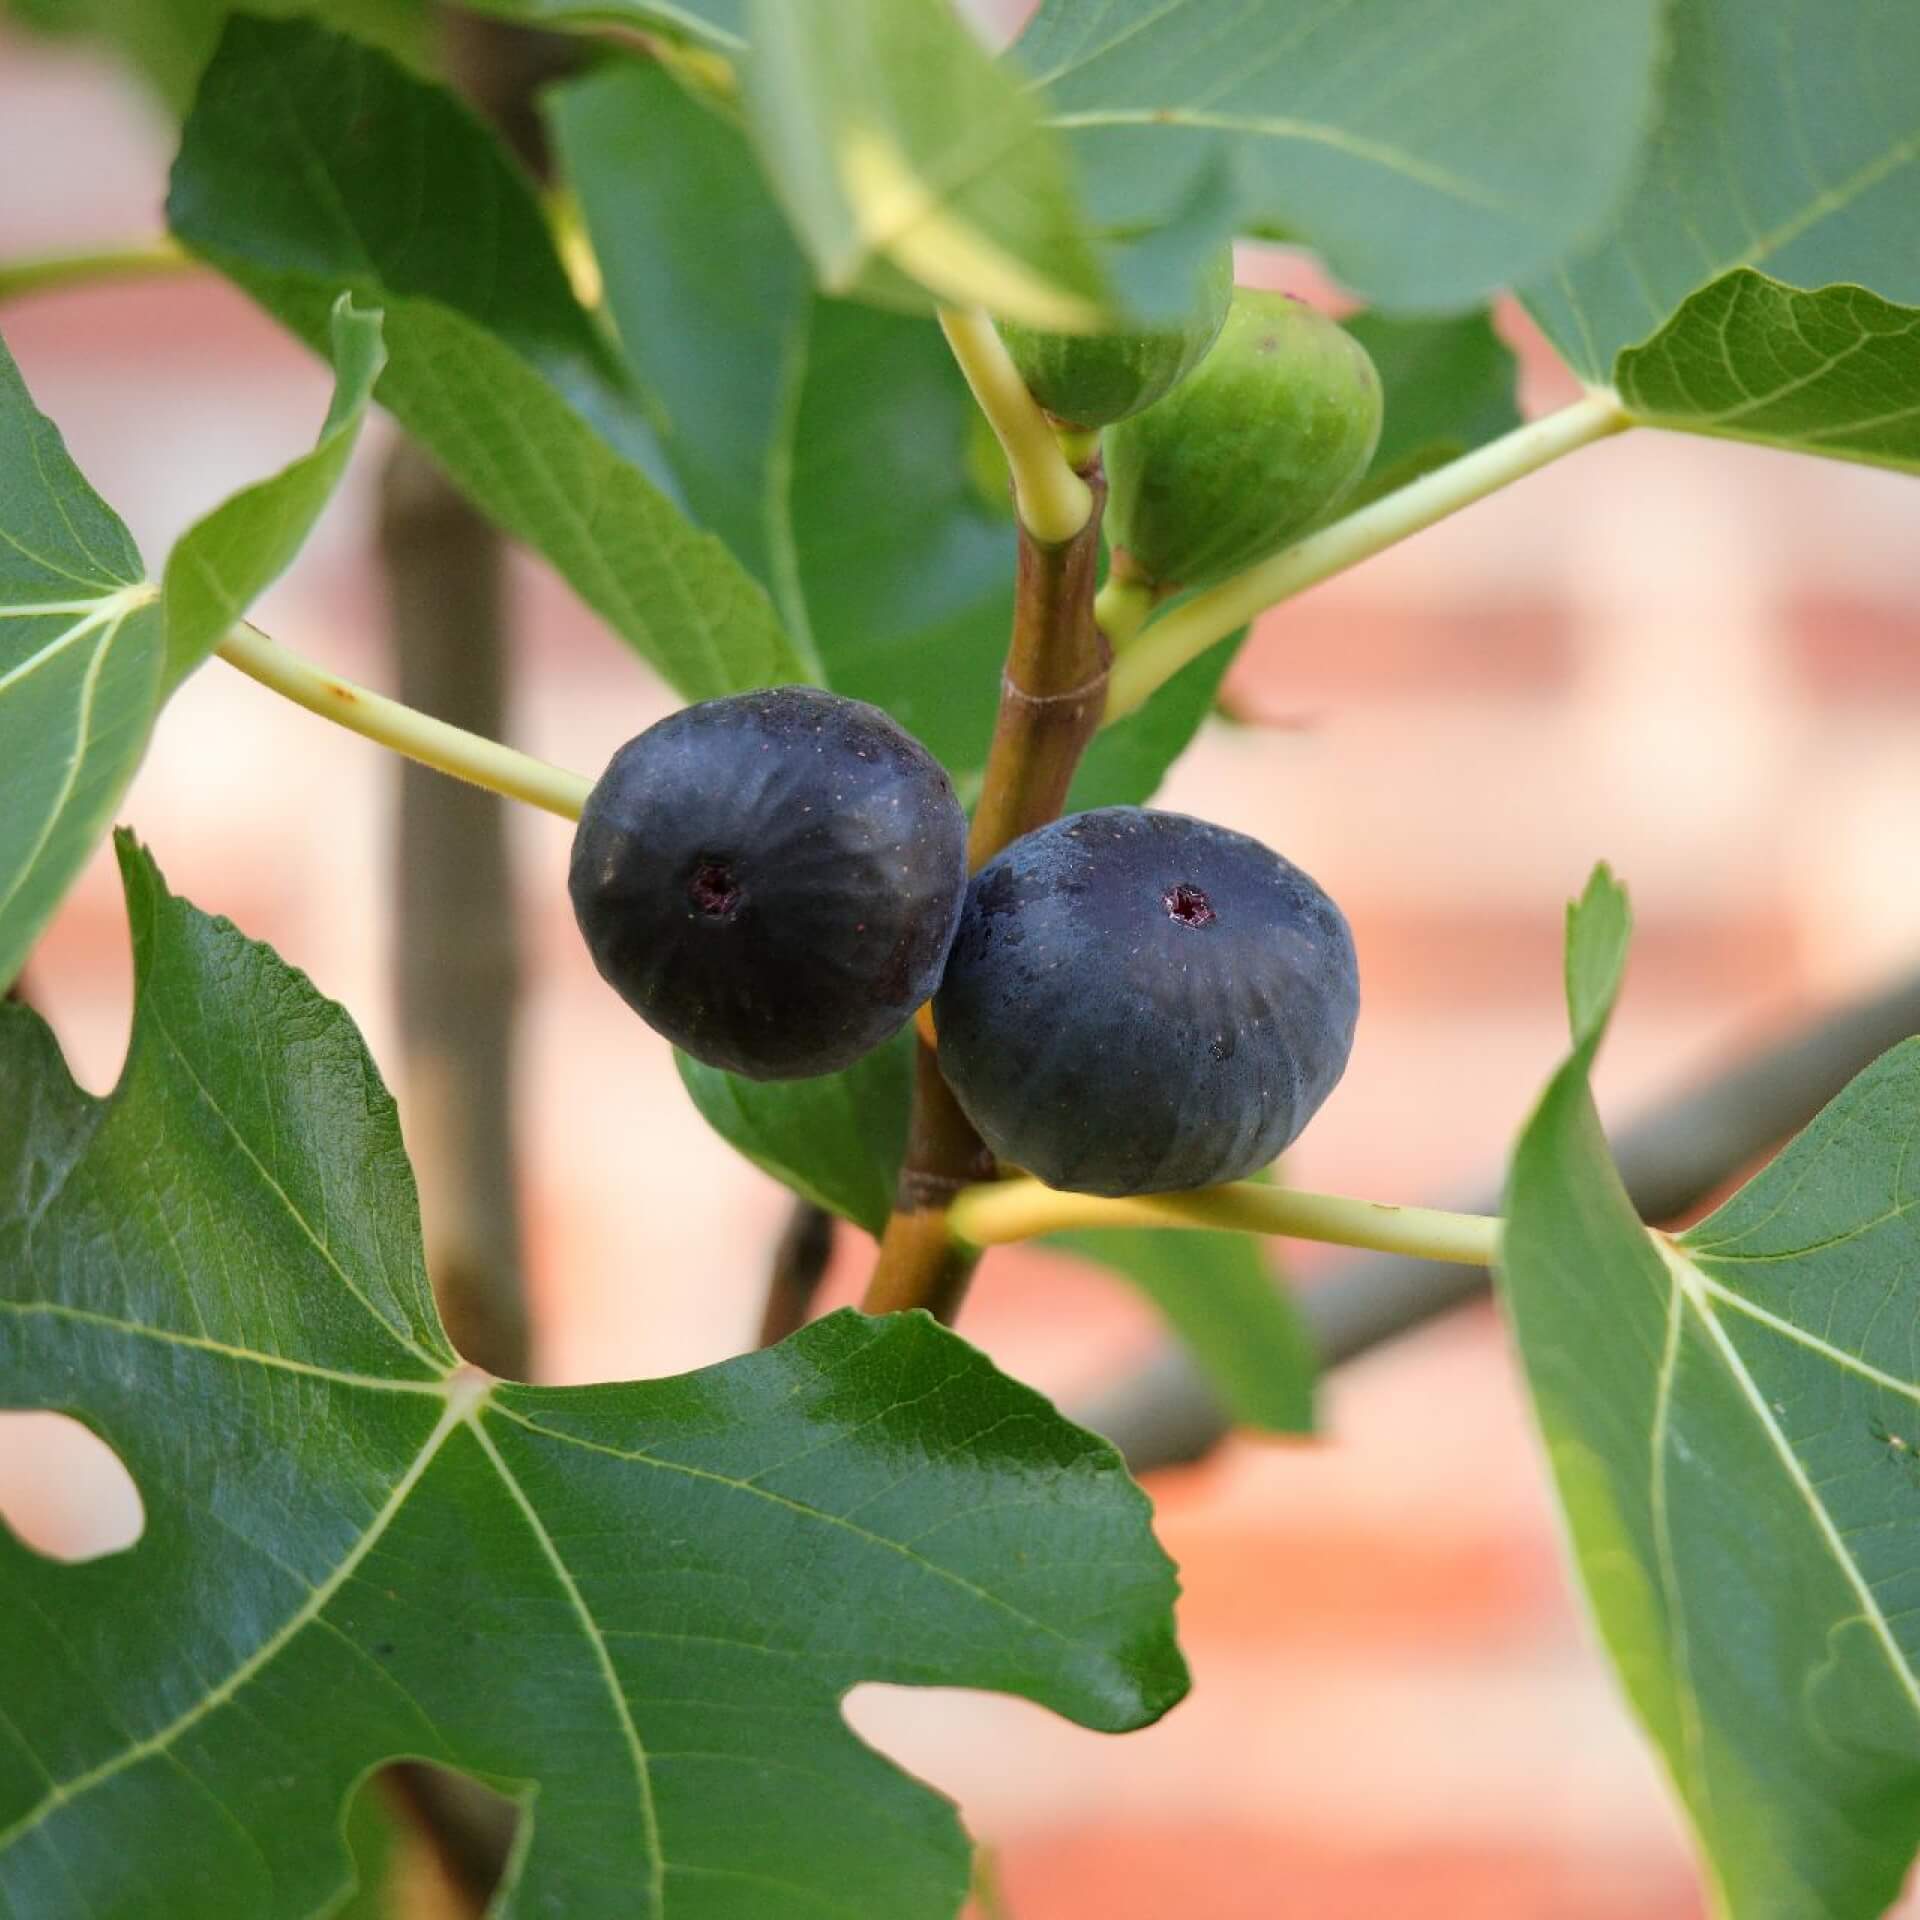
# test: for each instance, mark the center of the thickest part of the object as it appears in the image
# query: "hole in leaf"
(428, 1839)
(63, 1490)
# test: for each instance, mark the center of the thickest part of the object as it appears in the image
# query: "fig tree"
(772, 880)
(1261, 440)
(1138, 1002)
(1089, 380)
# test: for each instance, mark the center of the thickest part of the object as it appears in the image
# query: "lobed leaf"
(1733, 1420)
(368, 179)
(1788, 138)
(1432, 152)
(635, 1607)
(1836, 371)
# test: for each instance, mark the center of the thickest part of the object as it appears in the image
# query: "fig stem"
(1052, 692)
(447, 749)
(1051, 499)
(1004, 1210)
(1193, 625)
(55, 272)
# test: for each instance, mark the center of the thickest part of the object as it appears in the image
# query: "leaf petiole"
(447, 749)
(1194, 625)
(1053, 502)
(1023, 1209)
(55, 272)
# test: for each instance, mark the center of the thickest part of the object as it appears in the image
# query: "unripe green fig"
(1090, 380)
(1266, 436)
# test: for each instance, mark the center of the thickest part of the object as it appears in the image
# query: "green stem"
(1004, 1210)
(54, 272)
(1197, 623)
(1052, 500)
(467, 756)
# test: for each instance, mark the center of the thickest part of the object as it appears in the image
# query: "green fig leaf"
(222, 563)
(914, 167)
(89, 650)
(1432, 152)
(81, 648)
(1788, 139)
(1834, 372)
(668, 1586)
(1732, 1416)
(824, 441)
(837, 1140)
(382, 184)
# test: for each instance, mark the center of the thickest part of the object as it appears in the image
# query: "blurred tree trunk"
(456, 960)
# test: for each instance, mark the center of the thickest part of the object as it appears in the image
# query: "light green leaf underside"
(1431, 151)
(221, 564)
(908, 159)
(378, 183)
(1834, 372)
(668, 1587)
(1788, 139)
(80, 646)
(1732, 1419)
(1221, 1298)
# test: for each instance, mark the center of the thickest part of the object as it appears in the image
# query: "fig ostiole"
(1089, 380)
(772, 880)
(1266, 436)
(1140, 1002)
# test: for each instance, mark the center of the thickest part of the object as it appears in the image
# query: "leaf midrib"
(1355, 146)
(603, 1658)
(83, 723)
(1699, 1292)
(795, 1506)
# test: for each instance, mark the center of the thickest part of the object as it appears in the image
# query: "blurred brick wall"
(1699, 662)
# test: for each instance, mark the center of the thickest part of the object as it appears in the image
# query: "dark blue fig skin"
(1140, 1002)
(772, 880)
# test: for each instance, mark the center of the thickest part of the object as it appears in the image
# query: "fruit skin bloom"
(772, 880)
(1140, 1002)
